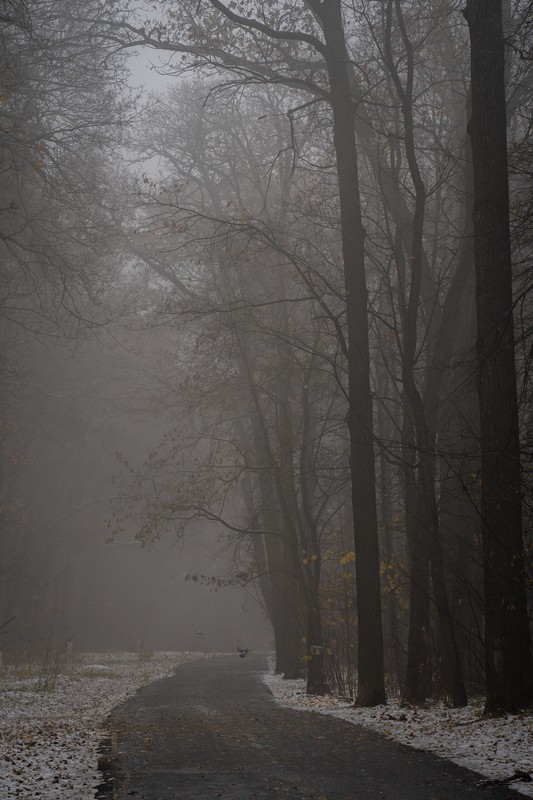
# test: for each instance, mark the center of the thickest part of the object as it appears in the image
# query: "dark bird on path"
(242, 651)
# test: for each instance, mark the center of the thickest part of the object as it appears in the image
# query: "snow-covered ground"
(497, 748)
(49, 739)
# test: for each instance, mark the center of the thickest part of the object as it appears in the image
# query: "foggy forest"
(267, 338)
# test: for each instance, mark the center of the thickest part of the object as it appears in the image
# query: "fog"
(69, 577)
(266, 338)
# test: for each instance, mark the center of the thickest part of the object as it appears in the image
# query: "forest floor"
(499, 748)
(50, 740)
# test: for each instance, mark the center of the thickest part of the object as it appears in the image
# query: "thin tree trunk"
(285, 595)
(425, 440)
(391, 620)
(418, 684)
(315, 656)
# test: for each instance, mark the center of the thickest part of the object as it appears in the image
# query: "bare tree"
(312, 32)
(60, 117)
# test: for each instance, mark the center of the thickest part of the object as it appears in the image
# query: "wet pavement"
(214, 731)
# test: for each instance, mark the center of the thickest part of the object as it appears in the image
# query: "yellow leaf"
(347, 557)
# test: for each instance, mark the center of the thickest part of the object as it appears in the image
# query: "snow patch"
(497, 747)
(49, 741)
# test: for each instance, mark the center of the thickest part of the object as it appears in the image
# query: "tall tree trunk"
(285, 595)
(425, 439)
(371, 682)
(509, 662)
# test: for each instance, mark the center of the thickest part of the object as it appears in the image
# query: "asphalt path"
(214, 731)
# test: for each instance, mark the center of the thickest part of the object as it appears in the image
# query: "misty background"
(257, 390)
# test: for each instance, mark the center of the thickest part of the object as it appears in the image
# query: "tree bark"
(508, 658)
(315, 656)
(371, 684)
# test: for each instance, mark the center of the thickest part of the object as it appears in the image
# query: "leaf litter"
(50, 740)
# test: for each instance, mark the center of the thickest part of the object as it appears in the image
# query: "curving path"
(214, 731)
